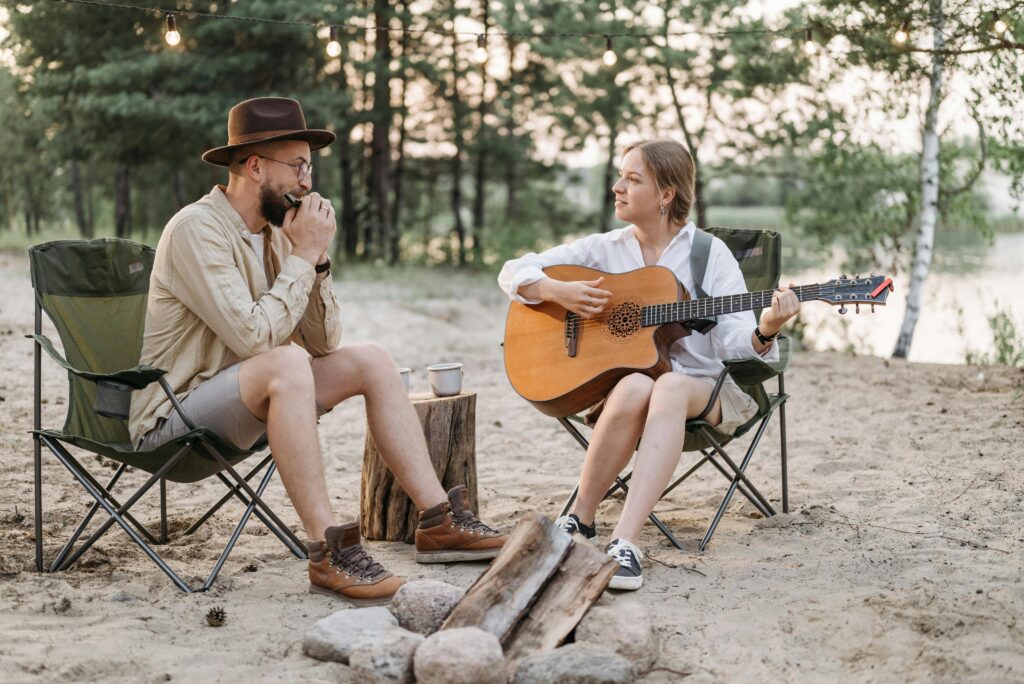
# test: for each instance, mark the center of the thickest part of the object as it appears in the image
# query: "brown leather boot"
(450, 532)
(340, 567)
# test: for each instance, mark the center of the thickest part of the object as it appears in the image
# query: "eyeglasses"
(303, 169)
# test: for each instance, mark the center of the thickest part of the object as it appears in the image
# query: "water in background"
(968, 274)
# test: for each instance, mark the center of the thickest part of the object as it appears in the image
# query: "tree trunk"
(178, 189)
(122, 200)
(606, 211)
(78, 200)
(449, 425)
(925, 242)
(380, 150)
(459, 140)
(480, 173)
(699, 202)
(399, 176)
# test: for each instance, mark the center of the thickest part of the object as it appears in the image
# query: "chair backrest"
(759, 253)
(95, 293)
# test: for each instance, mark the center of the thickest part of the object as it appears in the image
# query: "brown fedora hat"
(263, 119)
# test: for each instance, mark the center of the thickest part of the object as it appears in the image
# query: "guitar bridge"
(571, 328)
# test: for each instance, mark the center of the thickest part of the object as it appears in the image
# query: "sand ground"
(901, 559)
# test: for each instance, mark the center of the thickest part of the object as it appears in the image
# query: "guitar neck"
(709, 307)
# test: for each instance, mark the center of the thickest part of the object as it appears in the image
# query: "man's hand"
(310, 227)
(785, 305)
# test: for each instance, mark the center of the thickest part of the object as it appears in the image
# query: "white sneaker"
(571, 525)
(629, 576)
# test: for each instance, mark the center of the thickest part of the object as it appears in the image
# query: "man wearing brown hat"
(242, 313)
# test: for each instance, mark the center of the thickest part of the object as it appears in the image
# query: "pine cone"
(216, 616)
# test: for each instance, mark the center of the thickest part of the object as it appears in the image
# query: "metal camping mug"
(445, 379)
(405, 373)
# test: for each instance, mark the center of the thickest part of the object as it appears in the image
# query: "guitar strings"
(601, 318)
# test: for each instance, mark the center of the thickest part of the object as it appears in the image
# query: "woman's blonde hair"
(672, 167)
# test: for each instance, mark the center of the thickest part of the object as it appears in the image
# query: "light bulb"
(333, 46)
(1000, 26)
(610, 58)
(901, 35)
(172, 36)
(810, 47)
(480, 54)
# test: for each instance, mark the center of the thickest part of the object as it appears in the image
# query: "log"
(386, 512)
(501, 596)
(579, 582)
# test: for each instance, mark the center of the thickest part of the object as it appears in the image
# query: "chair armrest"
(136, 378)
(752, 372)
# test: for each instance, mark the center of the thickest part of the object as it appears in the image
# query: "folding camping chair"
(95, 293)
(759, 255)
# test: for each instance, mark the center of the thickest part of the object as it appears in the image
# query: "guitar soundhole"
(625, 320)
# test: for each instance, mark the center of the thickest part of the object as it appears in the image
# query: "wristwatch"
(324, 267)
(764, 339)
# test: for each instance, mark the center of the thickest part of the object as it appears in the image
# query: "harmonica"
(292, 200)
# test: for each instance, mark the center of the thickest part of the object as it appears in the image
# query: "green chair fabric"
(95, 292)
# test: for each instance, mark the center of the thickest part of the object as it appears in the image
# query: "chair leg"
(742, 490)
(116, 515)
(739, 473)
(85, 521)
(113, 500)
(238, 530)
(298, 549)
(621, 482)
(252, 495)
(163, 510)
(782, 437)
(735, 482)
(232, 489)
(570, 501)
(37, 419)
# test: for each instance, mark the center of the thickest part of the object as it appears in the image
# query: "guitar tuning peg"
(843, 309)
(872, 308)
(842, 277)
(856, 307)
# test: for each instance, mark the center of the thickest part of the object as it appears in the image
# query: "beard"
(272, 205)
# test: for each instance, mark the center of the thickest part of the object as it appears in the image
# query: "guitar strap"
(700, 252)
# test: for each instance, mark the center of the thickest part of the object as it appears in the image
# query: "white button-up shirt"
(618, 251)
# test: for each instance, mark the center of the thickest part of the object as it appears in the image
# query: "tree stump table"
(386, 512)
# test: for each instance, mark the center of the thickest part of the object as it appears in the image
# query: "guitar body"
(537, 352)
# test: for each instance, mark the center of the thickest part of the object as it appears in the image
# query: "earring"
(661, 210)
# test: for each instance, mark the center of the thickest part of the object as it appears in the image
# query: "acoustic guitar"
(563, 363)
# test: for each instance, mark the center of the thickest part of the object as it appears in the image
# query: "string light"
(172, 36)
(610, 58)
(902, 34)
(333, 46)
(480, 54)
(810, 47)
(998, 25)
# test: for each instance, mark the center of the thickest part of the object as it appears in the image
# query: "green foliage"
(1007, 338)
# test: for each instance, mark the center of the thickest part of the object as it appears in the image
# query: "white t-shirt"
(618, 251)
(256, 240)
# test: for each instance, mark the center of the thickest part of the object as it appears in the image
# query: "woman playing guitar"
(655, 191)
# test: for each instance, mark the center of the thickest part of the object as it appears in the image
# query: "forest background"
(470, 132)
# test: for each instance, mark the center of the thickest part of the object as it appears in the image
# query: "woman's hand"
(583, 297)
(785, 305)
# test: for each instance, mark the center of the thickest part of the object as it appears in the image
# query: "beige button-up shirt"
(213, 303)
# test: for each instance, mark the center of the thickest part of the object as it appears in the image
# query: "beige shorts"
(737, 406)
(216, 405)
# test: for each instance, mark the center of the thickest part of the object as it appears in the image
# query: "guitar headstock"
(872, 289)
